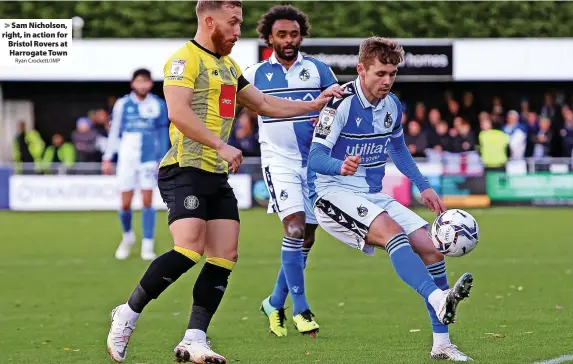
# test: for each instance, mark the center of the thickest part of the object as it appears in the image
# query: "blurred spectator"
(420, 114)
(58, 153)
(496, 110)
(416, 139)
(567, 133)
(543, 139)
(453, 111)
(84, 140)
(434, 118)
(469, 110)
(548, 109)
(27, 147)
(465, 140)
(524, 114)
(493, 146)
(532, 129)
(101, 122)
(441, 141)
(517, 135)
(243, 136)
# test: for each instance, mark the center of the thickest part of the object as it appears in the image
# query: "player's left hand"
(433, 201)
(326, 95)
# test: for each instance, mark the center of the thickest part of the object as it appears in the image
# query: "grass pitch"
(59, 281)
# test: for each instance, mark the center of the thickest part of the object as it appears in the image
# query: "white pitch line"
(560, 359)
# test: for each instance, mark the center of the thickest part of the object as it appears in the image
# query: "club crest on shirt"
(177, 67)
(362, 211)
(388, 120)
(304, 74)
(233, 72)
(325, 120)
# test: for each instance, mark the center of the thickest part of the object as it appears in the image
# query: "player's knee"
(382, 229)
(294, 229)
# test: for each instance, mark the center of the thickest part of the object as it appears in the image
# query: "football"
(455, 233)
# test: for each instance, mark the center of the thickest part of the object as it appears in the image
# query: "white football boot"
(147, 246)
(197, 351)
(452, 297)
(448, 352)
(125, 246)
(118, 337)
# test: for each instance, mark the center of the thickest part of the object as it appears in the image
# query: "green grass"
(59, 281)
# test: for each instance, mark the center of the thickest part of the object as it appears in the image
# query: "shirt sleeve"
(182, 69)
(403, 160)
(242, 82)
(397, 131)
(331, 120)
(115, 130)
(327, 78)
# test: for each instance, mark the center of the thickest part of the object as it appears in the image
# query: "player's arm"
(113, 136)
(276, 107)
(327, 130)
(163, 130)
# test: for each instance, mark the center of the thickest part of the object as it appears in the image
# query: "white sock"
(194, 335)
(435, 298)
(147, 243)
(127, 314)
(129, 236)
(441, 338)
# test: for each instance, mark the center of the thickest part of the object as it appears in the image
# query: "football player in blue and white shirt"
(285, 144)
(140, 135)
(353, 138)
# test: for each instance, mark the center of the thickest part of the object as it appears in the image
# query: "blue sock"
(293, 267)
(280, 292)
(148, 222)
(305, 252)
(409, 266)
(438, 272)
(125, 218)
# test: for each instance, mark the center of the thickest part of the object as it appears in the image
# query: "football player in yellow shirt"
(202, 85)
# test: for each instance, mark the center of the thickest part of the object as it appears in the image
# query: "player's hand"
(107, 167)
(433, 201)
(231, 155)
(350, 165)
(326, 95)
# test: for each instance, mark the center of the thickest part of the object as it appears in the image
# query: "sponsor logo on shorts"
(284, 195)
(191, 202)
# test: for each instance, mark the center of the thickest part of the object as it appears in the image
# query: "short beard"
(218, 40)
(279, 51)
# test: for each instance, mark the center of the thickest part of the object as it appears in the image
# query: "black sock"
(207, 295)
(163, 271)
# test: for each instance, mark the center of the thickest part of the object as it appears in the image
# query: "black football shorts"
(193, 192)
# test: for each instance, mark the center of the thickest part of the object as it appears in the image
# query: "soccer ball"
(455, 233)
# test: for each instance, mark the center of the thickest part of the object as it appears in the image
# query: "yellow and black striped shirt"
(215, 81)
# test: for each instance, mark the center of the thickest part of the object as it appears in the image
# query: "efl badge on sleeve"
(325, 120)
(388, 120)
(233, 72)
(178, 67)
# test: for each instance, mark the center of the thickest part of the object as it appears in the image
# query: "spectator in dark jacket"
(84, 140)
(416, 139)
(441, 141)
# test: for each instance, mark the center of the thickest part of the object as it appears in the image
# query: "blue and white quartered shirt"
(286, 141)
(351, 126)
(140, 127)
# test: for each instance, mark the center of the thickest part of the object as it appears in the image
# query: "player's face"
(286, 39)
(225, 28)
(142, 85)
(378, 78)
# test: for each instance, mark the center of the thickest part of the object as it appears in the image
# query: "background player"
(285, 143)
(353, 138)
(202, 208)
(140, 135)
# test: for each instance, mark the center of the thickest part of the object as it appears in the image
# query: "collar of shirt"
(134, 98)
(273, 60)
(363, 101)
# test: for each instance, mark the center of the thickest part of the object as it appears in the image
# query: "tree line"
(332, 19)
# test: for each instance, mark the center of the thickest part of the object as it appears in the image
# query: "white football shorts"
(289, 192)
(133, 176)
(347, 216)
